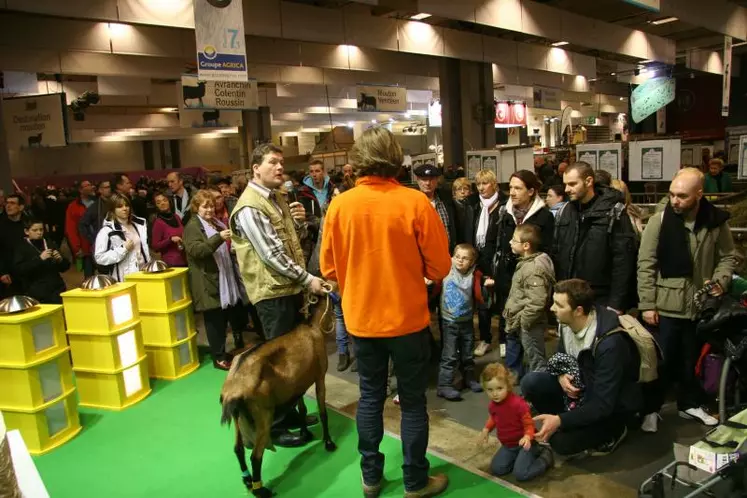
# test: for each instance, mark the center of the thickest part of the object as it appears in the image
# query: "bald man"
(683, 248)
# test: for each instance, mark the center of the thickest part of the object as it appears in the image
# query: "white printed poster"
(219, 34)
(35, 121)
(743, 157)
(609, 161)
(474, 164)
(589, 157)
(197, 93)
(490, 161)
(652, 163)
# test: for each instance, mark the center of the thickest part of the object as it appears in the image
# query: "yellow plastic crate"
(116, 390)
(173, 362)
(31, 387)
(161, 292)
(33, 335)
(107, 353)
(46, 428)
(166, 329)
(100, 311)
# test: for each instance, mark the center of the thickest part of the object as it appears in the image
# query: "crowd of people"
(577, 258)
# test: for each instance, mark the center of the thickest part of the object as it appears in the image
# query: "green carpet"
(172, 445)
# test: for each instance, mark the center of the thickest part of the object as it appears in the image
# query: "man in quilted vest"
(264, 233)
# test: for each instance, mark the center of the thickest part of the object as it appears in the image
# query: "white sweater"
(110, 248)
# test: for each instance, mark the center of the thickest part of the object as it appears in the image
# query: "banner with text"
(547, 98)
(382, 98)
(219, 94)
(36, 121)
(219, 34)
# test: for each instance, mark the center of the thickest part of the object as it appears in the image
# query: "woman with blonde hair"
(122, 242)
(634, 212)
(481, 222)
(461, 190)
(217, 290)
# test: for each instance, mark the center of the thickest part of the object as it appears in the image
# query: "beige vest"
(261, 281)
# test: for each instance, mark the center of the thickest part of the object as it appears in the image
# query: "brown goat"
(271, 377)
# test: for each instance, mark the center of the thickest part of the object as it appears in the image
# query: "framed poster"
(491, 161)
(654, 160)
(604, 156)
(609, 161)
(588, 156)
(474, 164)
(742, 157)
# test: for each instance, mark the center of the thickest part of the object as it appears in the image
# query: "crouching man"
(587, 409)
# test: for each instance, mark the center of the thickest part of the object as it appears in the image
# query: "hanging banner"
(652, 5)
(382, 98)
(726, 89)
(219, 34)
(518, 114)
(547, 98)
(651, 96)
(36, 121)
(219, 94)
(502, 113)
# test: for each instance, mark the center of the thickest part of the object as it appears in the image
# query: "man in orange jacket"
(380, 242)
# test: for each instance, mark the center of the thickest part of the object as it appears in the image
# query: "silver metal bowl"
(17, 304)
(98, 282)
(155, 266)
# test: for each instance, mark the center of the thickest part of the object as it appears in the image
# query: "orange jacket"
(379, 241)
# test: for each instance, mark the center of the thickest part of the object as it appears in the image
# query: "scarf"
(169, 218)
(520, 213)
(575, 342)
(673, 250)
(231, 292)
(482, 225)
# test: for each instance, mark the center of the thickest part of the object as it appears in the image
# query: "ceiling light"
(622, 98)
(613, 74)
(350, 124)
(391, 120)
(420, 17)
(560, 44)
(373, 121)
(647, 61)
(665, 20)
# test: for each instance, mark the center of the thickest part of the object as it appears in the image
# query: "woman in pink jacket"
(167, 233)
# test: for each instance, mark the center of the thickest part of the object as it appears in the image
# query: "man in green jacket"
(683, 248)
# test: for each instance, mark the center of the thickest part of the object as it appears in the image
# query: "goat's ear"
(323, 313)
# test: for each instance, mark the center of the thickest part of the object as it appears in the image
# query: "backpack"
(648, 349)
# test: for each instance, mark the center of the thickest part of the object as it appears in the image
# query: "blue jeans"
(458, 343)
(410, 355)
(341, 332)
(524, 464)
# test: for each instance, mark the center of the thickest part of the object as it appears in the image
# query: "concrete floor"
(455, 426)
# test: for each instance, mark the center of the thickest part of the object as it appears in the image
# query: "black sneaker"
(611, 446)
(343, 362)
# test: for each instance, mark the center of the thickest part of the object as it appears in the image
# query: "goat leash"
(311, 299)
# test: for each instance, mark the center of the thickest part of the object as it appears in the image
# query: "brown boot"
(437, 484)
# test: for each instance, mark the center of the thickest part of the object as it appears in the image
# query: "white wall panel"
(272, 51)
(369, 31)
(327, 56)
(463, 45)
(584, 65)
(32, 61)
(504, 14)
(124, 85)
(420, 38)
(301, 75)
(462, 10)
(262, 18)
(120, 65)
(500, 51)
(148, 40)
(303, 22)
(176, 13)
(23, 31)
(264, 72)
(560, 61)
(533, 56)
(540, 20)
(92, 9)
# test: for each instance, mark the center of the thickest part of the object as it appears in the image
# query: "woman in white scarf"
(485, 242)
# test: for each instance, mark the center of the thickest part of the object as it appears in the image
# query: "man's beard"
(686, 211)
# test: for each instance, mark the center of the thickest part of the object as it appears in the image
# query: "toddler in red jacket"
(510, 417)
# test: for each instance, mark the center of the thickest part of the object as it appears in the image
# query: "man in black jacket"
(93, 219)
(608, 365)
(450, 212)
(595, 241)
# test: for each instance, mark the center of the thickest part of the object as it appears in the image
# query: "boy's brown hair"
(469, 248)
(528, 233)
(497, 371)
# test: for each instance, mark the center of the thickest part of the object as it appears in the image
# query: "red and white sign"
(510, 113)
(518, 114)
(502, 113)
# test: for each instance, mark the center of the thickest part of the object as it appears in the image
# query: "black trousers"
(216, 322)
(279, 315)
(681, 347)
(543, 391)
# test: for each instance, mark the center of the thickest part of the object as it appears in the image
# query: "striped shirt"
(257, 228)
